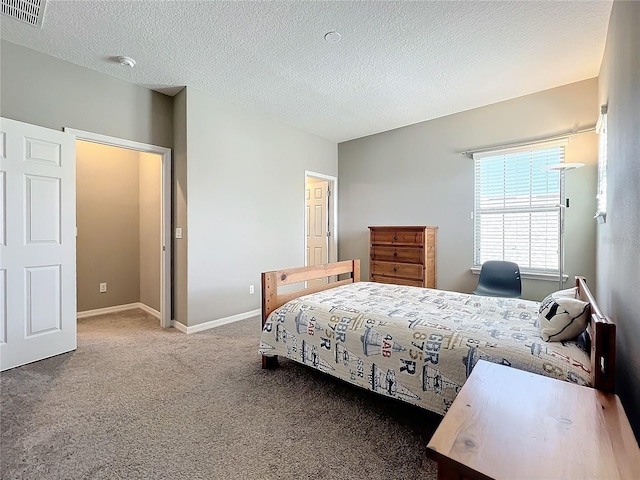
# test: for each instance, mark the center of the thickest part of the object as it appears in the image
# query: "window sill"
(551, 277)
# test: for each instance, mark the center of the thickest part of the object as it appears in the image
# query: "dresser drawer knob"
(395, 254)
(395, 269)
(395, 237)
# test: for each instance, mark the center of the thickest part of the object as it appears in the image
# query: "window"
(517, 207)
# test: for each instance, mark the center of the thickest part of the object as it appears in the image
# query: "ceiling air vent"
(28, 11)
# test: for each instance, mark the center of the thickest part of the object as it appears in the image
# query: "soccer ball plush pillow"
(562, 316)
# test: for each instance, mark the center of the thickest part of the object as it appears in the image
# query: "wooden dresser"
(403, 255)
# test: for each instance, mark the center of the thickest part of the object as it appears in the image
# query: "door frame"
(165, 153)
(332, 215)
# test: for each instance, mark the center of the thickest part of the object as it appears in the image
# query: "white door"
(317, 224)
(37, 243)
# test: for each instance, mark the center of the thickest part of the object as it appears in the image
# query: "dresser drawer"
(397, 237)
(396, 281)
(397, 254)
(404, 270)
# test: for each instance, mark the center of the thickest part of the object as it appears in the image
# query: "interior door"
(37, 243)
(317, 226)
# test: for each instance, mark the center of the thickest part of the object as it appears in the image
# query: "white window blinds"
(517, 207)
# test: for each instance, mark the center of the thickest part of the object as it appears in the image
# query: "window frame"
(526, 271)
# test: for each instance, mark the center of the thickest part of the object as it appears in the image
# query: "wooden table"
(510, 424)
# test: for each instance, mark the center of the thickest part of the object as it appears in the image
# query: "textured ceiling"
(398, 63)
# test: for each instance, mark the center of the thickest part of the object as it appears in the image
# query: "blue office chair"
(499, 279)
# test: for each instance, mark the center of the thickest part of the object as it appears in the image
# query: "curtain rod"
(470, 153)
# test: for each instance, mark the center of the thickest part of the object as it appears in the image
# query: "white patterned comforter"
(415, 344)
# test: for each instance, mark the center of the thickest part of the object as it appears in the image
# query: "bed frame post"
(603, 342)
(269, 295)
(603, 356)
(356, 271)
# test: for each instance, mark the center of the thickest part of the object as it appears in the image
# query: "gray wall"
(52, 93)
(150, 190)
(45, 91)
(619, 238)
(118, 218)
(245, 206)
(108, 220)
(179, 202)
(416, 175)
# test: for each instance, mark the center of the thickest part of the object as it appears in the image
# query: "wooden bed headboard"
(603, 341)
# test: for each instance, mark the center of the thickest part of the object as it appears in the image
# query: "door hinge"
(328, 234)
(328, 193)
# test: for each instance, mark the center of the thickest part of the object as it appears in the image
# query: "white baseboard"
(214, 323)
(179, 326)
(149, 310)
(118, 308)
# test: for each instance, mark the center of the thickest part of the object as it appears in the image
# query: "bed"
(414, 344)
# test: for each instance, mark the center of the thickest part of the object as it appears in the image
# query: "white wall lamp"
(562, 168)
(601, 130)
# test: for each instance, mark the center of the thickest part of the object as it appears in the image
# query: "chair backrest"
(499, 279)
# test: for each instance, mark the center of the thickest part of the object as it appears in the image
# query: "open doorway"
(123, 219)
(321, 243)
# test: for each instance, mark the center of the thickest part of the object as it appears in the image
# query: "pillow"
(562, 316)
(568, 293)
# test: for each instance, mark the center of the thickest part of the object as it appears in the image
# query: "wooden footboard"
(271, 299)
(602, 332)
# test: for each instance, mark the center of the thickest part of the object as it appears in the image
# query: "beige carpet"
(136, 401)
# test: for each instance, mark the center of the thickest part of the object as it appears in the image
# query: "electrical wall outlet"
(252, 289)
(103, 287)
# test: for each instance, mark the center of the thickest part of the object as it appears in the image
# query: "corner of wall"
(179, 203)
